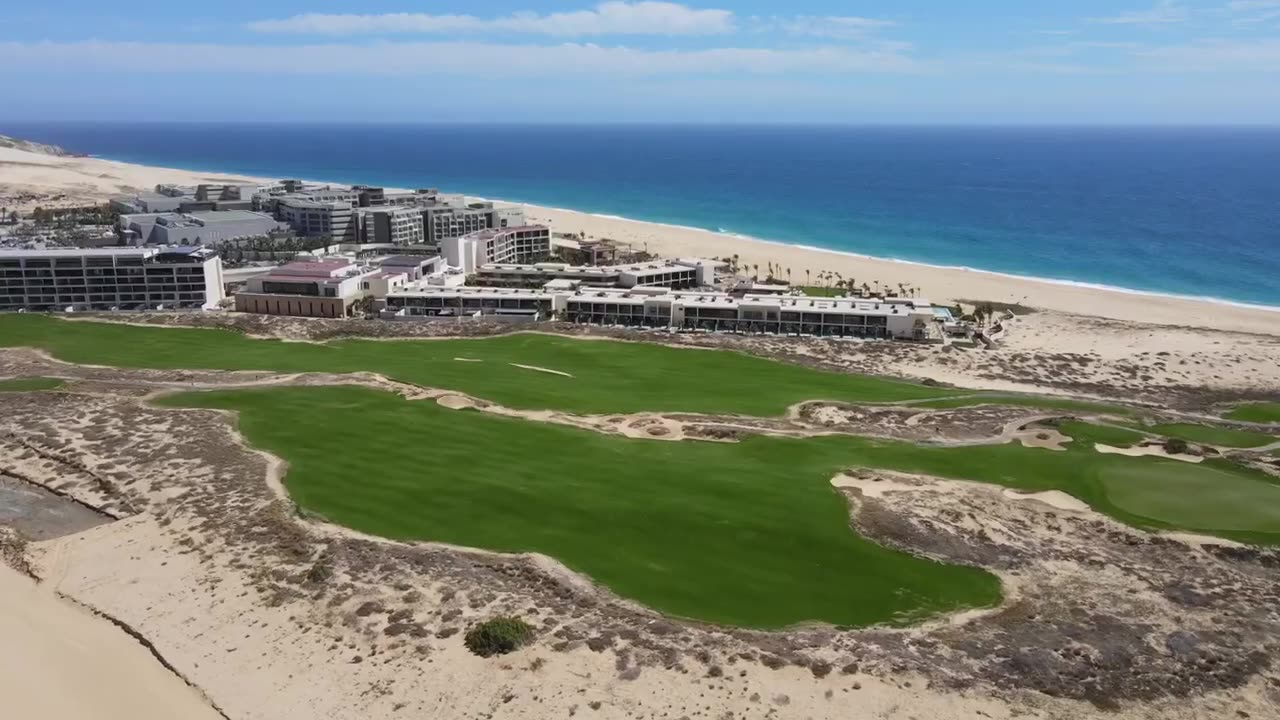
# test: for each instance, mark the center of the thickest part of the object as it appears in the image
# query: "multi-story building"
(394, 225)
(320, 218)
(197, 228)
(675, 274)
(715, 311)
(663, 308)
(321, 288)
(110, 279)
(430, 301)
(522, 244)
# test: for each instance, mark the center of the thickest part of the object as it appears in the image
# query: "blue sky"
(909, 61)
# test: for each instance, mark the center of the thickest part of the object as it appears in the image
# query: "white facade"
(310, 218)
(109, 279)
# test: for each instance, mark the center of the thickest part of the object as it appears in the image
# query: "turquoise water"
(1191, 211)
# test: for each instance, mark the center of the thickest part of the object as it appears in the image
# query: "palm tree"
(807, 280)
(788, 276)
(755, 271)
(735, 263)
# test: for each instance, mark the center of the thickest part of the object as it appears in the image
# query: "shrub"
(1176, 446)
(498, 636)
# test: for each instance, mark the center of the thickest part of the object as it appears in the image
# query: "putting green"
(1086, 435)
(1263, 412)
(1196, 497)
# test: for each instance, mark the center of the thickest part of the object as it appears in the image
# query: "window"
(332, 292)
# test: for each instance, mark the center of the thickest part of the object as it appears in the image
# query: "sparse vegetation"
(498, 636)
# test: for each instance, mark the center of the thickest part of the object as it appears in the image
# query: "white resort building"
(70, 279)
(908, 319)
(521, 244)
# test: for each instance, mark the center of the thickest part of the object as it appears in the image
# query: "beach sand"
(81, 180)
(62, 662)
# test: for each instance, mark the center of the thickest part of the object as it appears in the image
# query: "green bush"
(498, 636)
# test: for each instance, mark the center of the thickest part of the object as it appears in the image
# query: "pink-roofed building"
(311, 288)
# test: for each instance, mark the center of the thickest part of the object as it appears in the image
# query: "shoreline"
(1086, 284)
(85, 177)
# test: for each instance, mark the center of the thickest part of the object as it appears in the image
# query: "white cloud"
(1164, 12)
(647, 17)
(470, 59)
(839, 28)
(1243, 56)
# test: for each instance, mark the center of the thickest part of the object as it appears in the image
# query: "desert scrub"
(498, 636)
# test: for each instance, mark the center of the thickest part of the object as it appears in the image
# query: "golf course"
(748, 533)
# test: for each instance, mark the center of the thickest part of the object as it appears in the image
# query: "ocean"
(1182, 211)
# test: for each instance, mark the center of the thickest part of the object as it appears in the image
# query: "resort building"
(110, 279)
(197, 228)
(681, 310)
(457, 302)
(394, 225)
(320, 218)
(675, 274)
(415, 267)
(321, 288)
(721, 312)
(448, 218)
(521, 244)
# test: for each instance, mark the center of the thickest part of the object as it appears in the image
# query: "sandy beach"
(84, 180)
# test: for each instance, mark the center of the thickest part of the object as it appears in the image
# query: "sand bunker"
(1046, 438)
(455, 402)
(1053, 498)
(1146, 451)
(535, 368)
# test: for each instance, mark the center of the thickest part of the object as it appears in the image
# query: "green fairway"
(1263, 412)
(1086, 434)
(29, 384)
(1198, 498)
(1034, 401)
(606, 377)
(746, 534)
(1223, 437)
(749, 534)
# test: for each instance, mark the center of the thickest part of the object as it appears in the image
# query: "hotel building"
(663, 308)
(322, 288)
(513, 245)
(320, 218)
(674, 274)
(110, 279)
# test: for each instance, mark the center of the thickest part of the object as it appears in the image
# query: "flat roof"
(403, 260)
(81, 252)
(229, 216)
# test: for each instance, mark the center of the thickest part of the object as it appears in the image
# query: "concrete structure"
(394, 225)
(323, 288)
(110, 279)
(456, 302)
(522, 244)
(415, 267)
(663, 308)
(197, 228)
(320, 218)
(447, 218)
(715, 311)
(148, 203)
(675, 274)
